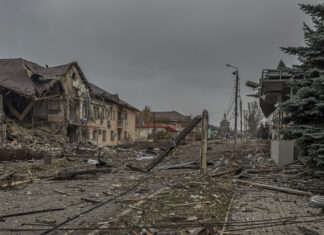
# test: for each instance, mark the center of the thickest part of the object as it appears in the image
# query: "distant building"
(175, 117)
(212, 132)
(145, 132)
(224, 127)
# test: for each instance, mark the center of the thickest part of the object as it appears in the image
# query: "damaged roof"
(13, 76)
(49, 72)
(114, 98)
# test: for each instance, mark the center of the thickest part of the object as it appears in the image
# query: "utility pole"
(236, 113)
(236, 101)
(204, 142)
(244, 122)
(154, 139)
(241, 120)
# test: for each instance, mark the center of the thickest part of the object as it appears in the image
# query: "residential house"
(62, 99)
(211, 134)
(145, 132)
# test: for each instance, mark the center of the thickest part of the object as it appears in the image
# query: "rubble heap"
(34, 139)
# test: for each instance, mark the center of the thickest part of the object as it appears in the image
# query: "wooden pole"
(173, 144)
(236, 104)
(244, 123)
(274, 188)
(154, 138)
(241, 120)
(204, 142)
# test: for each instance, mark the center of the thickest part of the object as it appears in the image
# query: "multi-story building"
(62, 99)
(273, 89)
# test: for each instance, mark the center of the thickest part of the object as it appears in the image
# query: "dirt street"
(181, 201)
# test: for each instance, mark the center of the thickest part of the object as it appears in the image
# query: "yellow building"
(62, 99)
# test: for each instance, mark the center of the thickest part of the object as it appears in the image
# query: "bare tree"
(253, 117)
(146, 114)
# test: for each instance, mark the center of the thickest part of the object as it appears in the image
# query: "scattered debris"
(317, 201)
(188, 165)
(139, 199)
(30, 212)
(61, 192)
(270, 187)
(69, 174)
(307, 231)
(90, 200)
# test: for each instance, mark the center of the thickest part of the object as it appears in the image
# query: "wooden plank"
(274, 188)
(204, 142)
(21, 116)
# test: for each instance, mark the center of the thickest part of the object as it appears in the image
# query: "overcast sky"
(168, 54)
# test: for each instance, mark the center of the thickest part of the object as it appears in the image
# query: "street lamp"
(236, 97)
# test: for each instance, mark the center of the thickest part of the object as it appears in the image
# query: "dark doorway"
(72, 134)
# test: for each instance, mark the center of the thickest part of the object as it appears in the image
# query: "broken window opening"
(119, 133)
(112, 135)
(95, 135)
(72, 133)
(104, 136)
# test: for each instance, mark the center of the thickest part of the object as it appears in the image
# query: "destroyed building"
(63, 100)
(274, 88)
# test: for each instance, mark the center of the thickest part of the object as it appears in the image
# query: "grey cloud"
(169, 54)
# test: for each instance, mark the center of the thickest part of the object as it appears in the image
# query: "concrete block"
(282, 151)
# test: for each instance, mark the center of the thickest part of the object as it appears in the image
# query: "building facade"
(62, 99)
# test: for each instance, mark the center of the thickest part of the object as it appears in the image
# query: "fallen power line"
(99, 205)
(242, 224)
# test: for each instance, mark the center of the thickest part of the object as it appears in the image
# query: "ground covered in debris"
(173, 197)
(257, 210)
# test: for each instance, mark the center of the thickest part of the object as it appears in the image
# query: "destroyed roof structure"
(272, 87)
(14, 77)
(62, 99)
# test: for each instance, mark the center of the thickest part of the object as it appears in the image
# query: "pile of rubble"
(35, 140)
